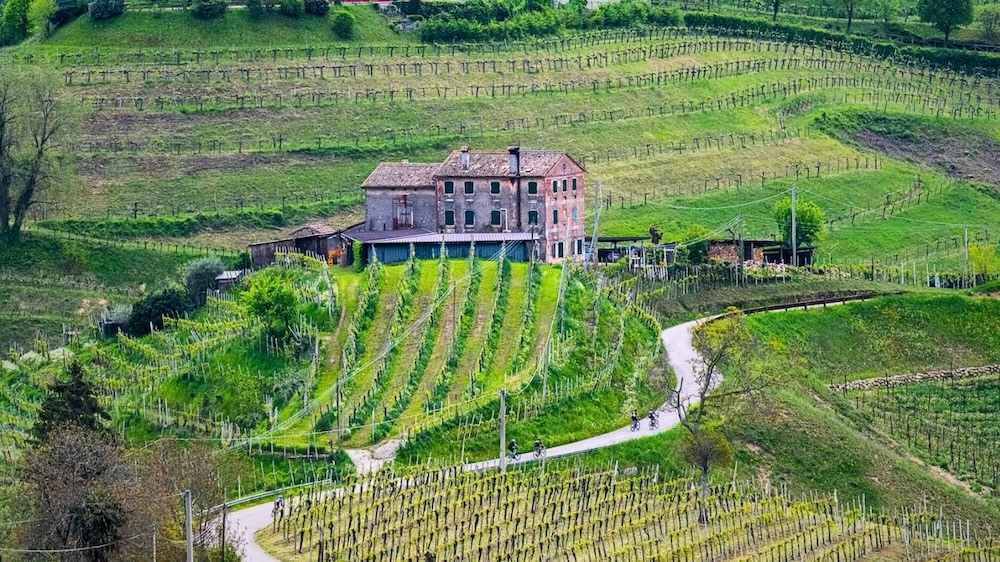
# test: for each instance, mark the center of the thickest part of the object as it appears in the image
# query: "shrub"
(291, 8)
(343, 25)
(67, 13)
(106, 9)
(153, 307)
(989, 19)
(209, 9)
(317, 7)
(255, 8)
(199, 276)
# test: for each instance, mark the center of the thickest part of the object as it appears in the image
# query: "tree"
(151, 309)
(106, 9)
(808, 221)
(989, 21)
(255, 9)
(199, 277)
(983, 262)
(317, 7)
(75, 479)
(69, 403)
(31, 121)
(694, 245)
(14, 22)
(945, 15)
(273, 301)
(775, 6)
(850, 6)
(887, 11)
(39, 14)
(291, 8)
(209, 9)
(722, 343)
(343, 25)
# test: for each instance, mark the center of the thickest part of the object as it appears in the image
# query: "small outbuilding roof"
(312, 230)
(401, 175)
(233, 275)
(366, 236)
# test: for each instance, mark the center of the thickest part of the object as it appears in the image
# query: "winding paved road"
(680, 356)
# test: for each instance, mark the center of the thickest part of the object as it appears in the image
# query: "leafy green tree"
(808, 221)
(945, 15)
(39, 14)
(343, 25)
(693, 248)
(850, 6)
(14, 22)
(69, 402)
(989, 21)
(273, 301)
(317, 7)
(153, 307)
(199, 276)
(887, 11)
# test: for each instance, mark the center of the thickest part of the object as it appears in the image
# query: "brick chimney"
(515, 160)
(465, 158)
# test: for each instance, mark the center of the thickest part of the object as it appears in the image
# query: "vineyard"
(563, 512)
(951, 423)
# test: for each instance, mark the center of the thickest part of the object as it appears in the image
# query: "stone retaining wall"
(913, 378)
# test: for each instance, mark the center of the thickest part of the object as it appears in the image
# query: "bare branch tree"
(31, 120)
(722, 343)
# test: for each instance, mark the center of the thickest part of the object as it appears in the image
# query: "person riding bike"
(635, 420)
(539, 447)
(654, 419)
(512, 448)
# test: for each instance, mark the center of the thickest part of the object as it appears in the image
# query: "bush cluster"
(343, 25)
(106, 9)
(209, 9)
(317, 7)
(150, 310)
(291, 8)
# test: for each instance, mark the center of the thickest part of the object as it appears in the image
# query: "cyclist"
(635, 420)
(539, 448)
(654, 419)
(512, 448)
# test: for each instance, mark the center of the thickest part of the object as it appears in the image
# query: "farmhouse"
(530, 201)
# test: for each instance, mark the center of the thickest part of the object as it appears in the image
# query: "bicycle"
(540, 452)
(654, 422)
(635, 425)
(513, 456)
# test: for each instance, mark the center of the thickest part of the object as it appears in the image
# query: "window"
(562, 250)
(532, 188)
(564, 185)
(555, 186)
(494, 187)
(470, 218)
(574, 184)
(555, 216)
(449, 187)
(495, 218)
(470, 188)
(579, 246)
(449, 218)
(532, 217)
(555, 250)
(574, 214)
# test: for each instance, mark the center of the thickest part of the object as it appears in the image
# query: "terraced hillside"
(566, 512)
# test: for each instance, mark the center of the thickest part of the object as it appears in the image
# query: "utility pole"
(795, 240)
(966, 255)
(743, 257)
(597, 222)
(222, 543)
(503, 430)
(188, 534)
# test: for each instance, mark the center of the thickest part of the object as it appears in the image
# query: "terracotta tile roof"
(534, 163)
(401, 175)
(313, 229)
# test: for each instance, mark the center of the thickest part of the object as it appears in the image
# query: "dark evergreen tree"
(69, 403)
